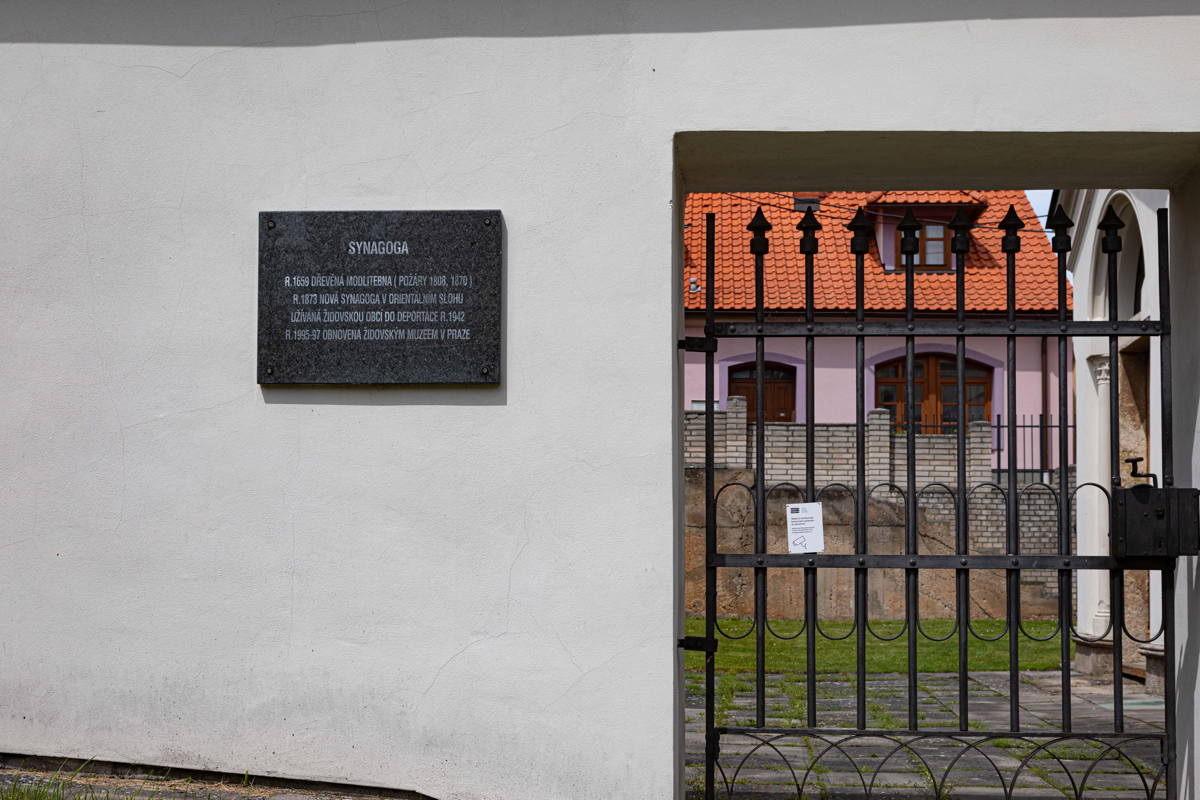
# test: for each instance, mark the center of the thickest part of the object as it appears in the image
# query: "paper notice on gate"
(805, 528)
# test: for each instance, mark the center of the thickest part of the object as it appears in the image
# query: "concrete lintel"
(862, 160)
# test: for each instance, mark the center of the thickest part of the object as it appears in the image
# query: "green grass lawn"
(788, 656)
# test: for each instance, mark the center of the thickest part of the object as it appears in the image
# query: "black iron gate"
(971, 755)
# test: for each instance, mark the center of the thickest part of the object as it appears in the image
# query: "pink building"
(834, 291)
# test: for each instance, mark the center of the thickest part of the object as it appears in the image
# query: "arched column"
(1092, 521)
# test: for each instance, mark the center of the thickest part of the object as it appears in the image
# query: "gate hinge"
(698, 344)
(698, 643)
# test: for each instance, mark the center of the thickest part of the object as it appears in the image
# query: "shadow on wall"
(267, 23)
(353, 395)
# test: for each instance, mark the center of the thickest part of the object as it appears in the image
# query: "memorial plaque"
(379, 297)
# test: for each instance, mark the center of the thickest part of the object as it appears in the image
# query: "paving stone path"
(943, 763)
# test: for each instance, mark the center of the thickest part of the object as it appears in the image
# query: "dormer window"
(934, 254)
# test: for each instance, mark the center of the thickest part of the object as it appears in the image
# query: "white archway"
(1137, 370)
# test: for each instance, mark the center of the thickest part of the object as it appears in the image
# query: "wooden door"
(936, 390)
(779, 390)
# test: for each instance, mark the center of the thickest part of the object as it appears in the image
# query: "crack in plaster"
(156, 68)
(639, 643)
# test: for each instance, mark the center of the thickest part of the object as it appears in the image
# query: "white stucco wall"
(1185, 368)
(466, 593)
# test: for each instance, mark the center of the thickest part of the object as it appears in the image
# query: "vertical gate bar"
(1041, 434)
(962, 576)
(1033, 462)
(1061, 224)
(860, 527)
(1167, 426)
(860, 244)
(1169, 717)
(999, 439)
(759, 248)
(1167, 430)
(760, 522)
(809, 226)
(909, 247)
(1110, 244)
(1116, 590)
(710, 516)
(1011, 245)
(960, 243)
(1012, 576)
(810, 644)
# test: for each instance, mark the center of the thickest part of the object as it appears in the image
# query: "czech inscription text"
(341, 303)
(388, 305)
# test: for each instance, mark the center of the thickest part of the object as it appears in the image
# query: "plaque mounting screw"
(270, 370)
(487, 221)
(485, 371)
(270, 224)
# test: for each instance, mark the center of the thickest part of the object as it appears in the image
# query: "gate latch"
(698, 643)
(1150, 520)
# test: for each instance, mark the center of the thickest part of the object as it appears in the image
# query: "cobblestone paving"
(943, 763)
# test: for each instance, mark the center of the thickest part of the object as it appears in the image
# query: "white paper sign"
(805, 528)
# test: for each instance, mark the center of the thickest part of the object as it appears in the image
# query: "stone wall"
(1037, 526)
(836, 452)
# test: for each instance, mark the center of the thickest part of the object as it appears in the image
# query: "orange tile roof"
(945, 197)
(1037, 266)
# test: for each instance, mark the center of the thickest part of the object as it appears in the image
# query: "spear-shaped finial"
(808, 225)
(1061, 224)
(759, 227)
(1011, 241)
(961, 224)
(861, 229)
(1110, 223)
(908, 227)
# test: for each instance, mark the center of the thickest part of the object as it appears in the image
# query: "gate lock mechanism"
(1150, 520)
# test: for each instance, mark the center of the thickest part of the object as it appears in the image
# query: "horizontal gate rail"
(933, 733)
(901, 561)
(933, 327)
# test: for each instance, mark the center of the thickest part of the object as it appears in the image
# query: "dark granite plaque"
(379, 296)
